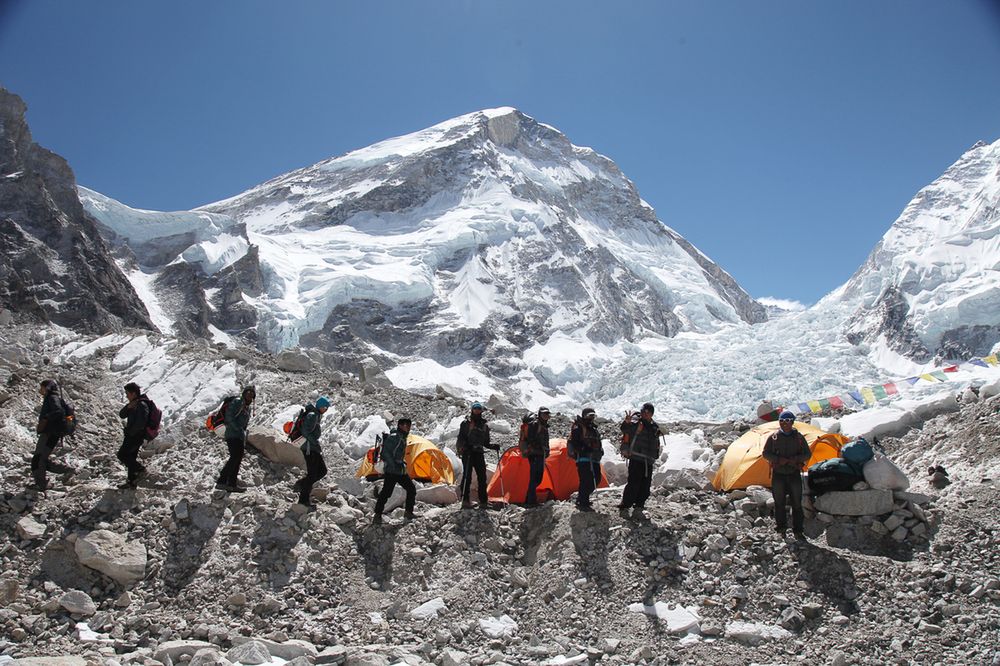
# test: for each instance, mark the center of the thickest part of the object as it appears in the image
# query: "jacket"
(536, 443)
(394, 452)
(473, 436)
(585, 442)
(792, 446)
(237, 420)
(136, 416)
(52, 416)
(643, 439)
(311, 431)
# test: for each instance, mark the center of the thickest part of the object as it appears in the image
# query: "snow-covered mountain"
(931, 287)
(472, 240)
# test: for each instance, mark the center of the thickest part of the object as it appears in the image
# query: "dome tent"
(560, 479)
(424, 462)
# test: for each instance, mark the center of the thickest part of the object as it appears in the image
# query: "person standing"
(237, 419)
(585, 447)
(311, 432)
(787, 451)
(394, 471)
(473, 439)
(641, 446)
(136, 415)
(50, 429)
(535, 448)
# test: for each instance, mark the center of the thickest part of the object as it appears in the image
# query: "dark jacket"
(311, 430)
(237, 420)
(536, 443)
(52, 416)
(585, 442)
(136, 416)
(792, 446)
(643, 439)
(394, 452)
(473, 436)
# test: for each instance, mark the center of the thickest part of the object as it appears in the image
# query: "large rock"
(882, 473)
(870, 502)
(113, 555)
(78, 603)
(48, 661)
(29, 529)
(251, 653)
(288, 650)
(439, 494)
(294, 361)
(276, 448)
(174, 650)
(754, 633)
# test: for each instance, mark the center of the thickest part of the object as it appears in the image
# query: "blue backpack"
(857, 453)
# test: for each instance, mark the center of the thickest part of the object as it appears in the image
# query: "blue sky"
(781, 138)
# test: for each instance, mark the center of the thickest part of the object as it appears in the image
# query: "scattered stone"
(496, 627)
(110, 553)
(78, 603)
(251, 653)
(429, 609)
(29, 529)
(871, 502)
(754, 633)
(792, 619)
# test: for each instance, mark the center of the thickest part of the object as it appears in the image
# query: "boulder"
(497, 627)
(174, 650)
(5, 317)
(293, 361)
(754, 633)
(452, 657)
(78, 603)
(352, 486)
(29, 529)
(276, 448)
(429, 609)
(9, 590)
(250, 653)
(208, 657)
(871, 502)
(288, 650)
(882, 473)
(48, 661)
(113, 555)
(439, 494)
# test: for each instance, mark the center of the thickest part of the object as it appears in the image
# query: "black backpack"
(69, 418)
(155, 417)
(218, 417)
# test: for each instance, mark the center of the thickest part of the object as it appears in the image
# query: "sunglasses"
(787, 420)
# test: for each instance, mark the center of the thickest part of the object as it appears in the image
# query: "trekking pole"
(500, 474)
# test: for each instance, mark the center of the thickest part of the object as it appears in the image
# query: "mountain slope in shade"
(54, 266)
(471, 240)
(931, 286)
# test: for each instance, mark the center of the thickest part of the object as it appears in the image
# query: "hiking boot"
(128, 485)
(781, 531)
(238, 488)
(297, 486)
(639, 513)
(377, 519)
(586, 508)
(799, 535)
(623, 512)
(408, 516)
(483, 506)
(466, 504)
(222, 486)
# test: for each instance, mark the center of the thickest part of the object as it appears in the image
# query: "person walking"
(641, 446)
(236, 420)
(585, 447)
(473, 439)
(787, 451)
(136, 415)
(50, 428)
(535, 447)
(315, 465)
(394, 471)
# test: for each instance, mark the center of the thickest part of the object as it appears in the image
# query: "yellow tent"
(424, 462)
(744, 464)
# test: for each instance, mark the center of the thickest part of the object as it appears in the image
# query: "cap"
(404, 420)
(786, 416)
(322, 402)
(543, 410)
(476, 405)
(588, 411)
(648, 407)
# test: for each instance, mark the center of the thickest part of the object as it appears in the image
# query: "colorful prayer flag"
(836, 402)
(856, 396)
(980, 362)
(951, 368)
(929, 377)
(879, 393)
(912, 380)
(824, 403)
(992, 359)
(814, 407)
(803, 408)
(867, 394)
(890, 388)
(939, 375)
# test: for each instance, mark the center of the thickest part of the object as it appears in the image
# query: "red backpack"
(155, 417)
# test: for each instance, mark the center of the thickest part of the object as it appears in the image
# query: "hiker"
(641, 446)
(473, 438)
(136, 415)
(237, 419)
(50, 429)
(586, 449)
(394, 471)
(315, 465)
(787, 451)
(535, 447)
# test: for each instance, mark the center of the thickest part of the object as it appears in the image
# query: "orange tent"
(744, 464)
(560, 479)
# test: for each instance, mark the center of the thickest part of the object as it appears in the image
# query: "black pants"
(389, 484)
(315, 470)
(40, 462)
(536, 467)
(474, 460)
(128, 454)
(783, 485)
(231, 470)
(590, 476)
(640, 477)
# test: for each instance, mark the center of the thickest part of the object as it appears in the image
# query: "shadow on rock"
(473, 526)
(536, 524)
(186, 551)
(862, 540)
(274, 541)
(107, 509)
(591, 534)
(376, 545)
(658, 548)
(827, 573)
(60, 564)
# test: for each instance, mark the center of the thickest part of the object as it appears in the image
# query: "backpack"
(626, 443)
(527, 421)
(153, 422)
(857, 453)
(69, 418)
(476, 437)
(294, 428)
(217, 418)
(832, 475)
